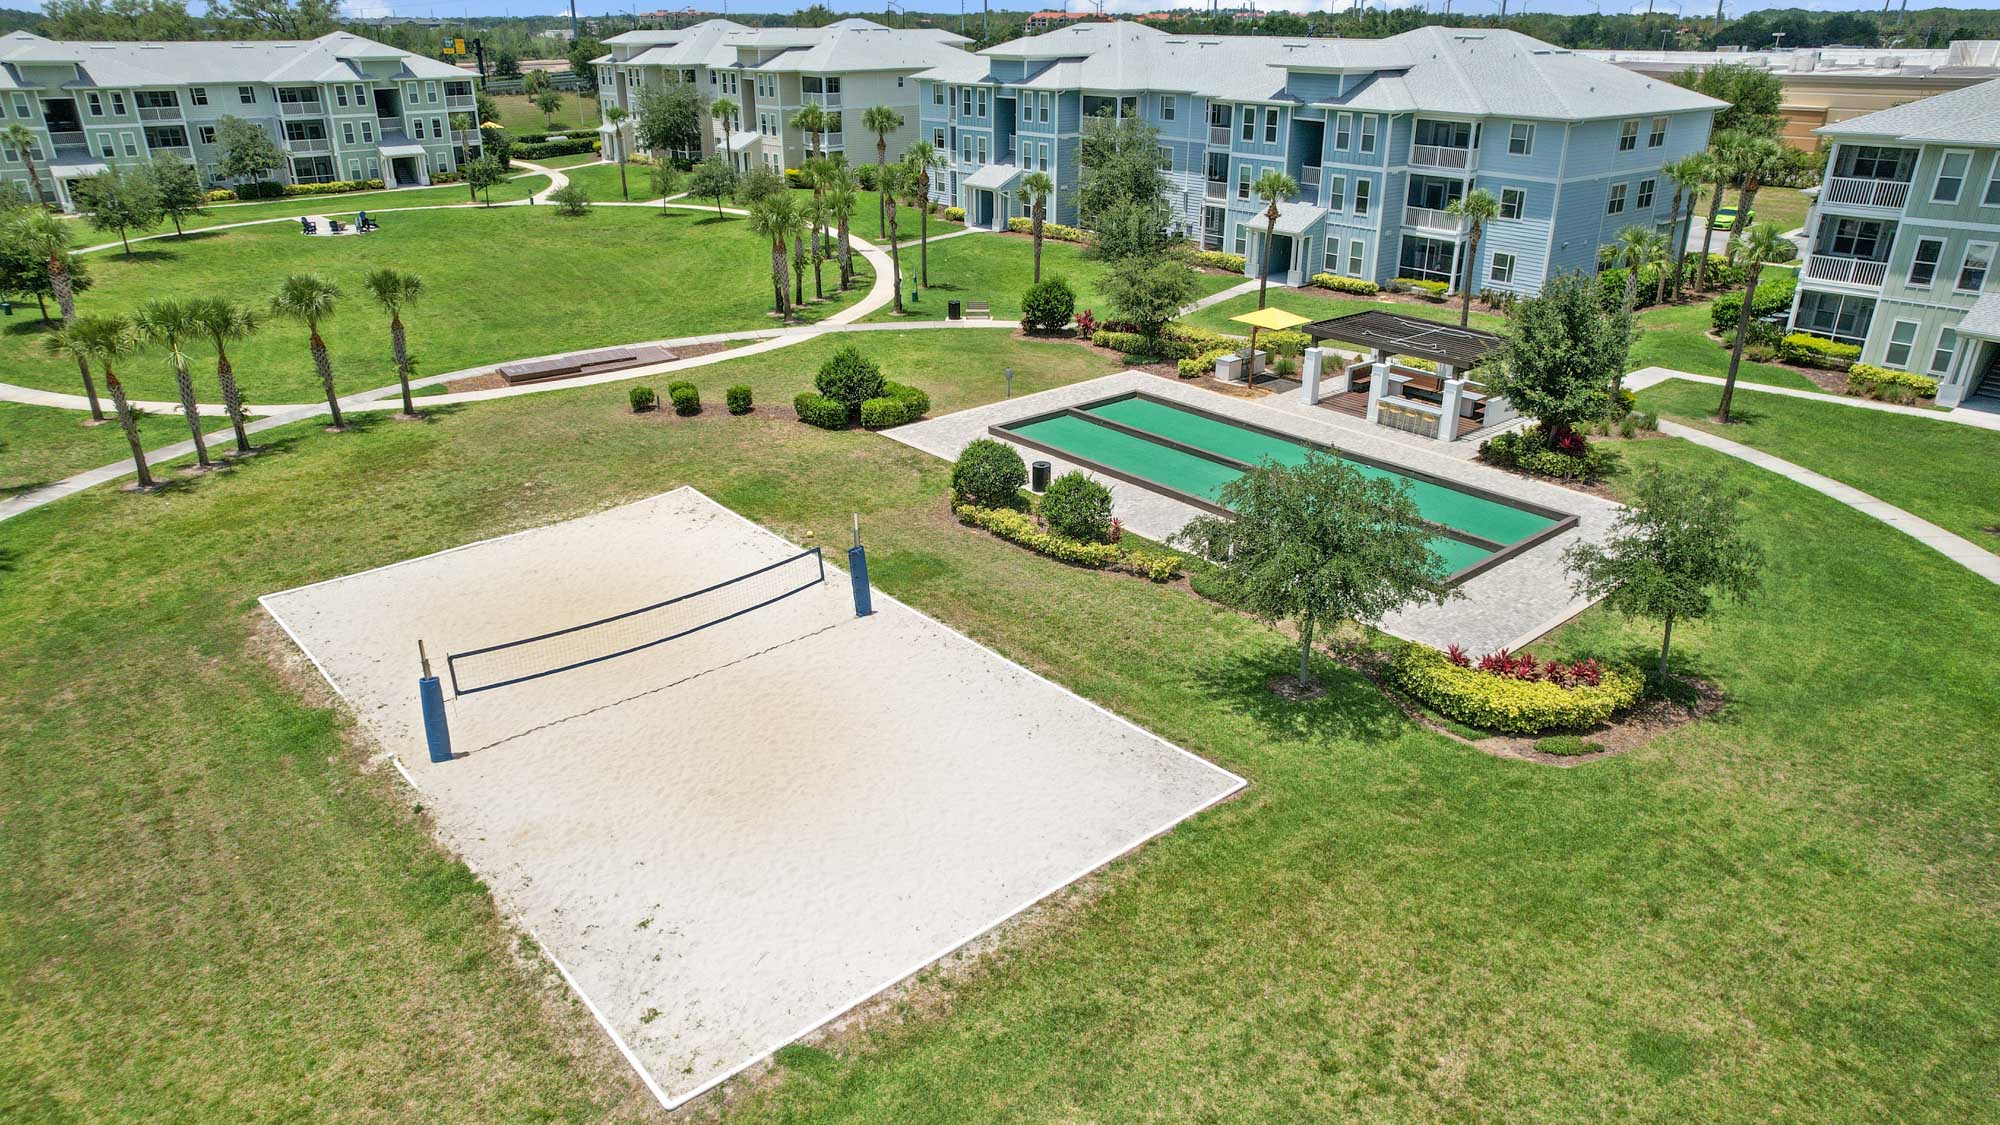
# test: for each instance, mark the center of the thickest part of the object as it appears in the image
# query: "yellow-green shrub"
(1868, 379)
(955, 214)
(1202, 364)
(1341, 284)
(1817, 351)
(1056, 231)
(1506, 705)
(1217, 260)
(1428, 290)
(1021, 528)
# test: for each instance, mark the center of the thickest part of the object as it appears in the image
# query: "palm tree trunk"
(846, 256)
(323, 363)
(1707, 239)
(1305, 653)
(232, 398)
(1673, 223)
(131, 427)
(799, 271)
(402, 349)
(1736, 353)
(34, 177)
(779, 281)
(1666, 639)
(65, 292)
(895, 252)
(1745, 200)
(924, 234)
(1465, 282)
(882, 203)
(1631, 288)
(1264, 263)
(1681, 251)
(1038, 240)
(184, 384)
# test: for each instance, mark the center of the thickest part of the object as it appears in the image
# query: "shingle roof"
(843, 46)
(1968, 116)
(1506, 74)
(330, 58)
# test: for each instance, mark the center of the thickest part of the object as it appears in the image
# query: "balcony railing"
(309, 146)
(1309, 184)
(833, 140)
(1433, 218)
(1218, 135)
(1867, 193)
(301, 109)
(159, 113)
(1848, 271)
(182, 151)
(67, 139)
(461, 101)
(831, 100)
(1217, 189)
(1438, 156)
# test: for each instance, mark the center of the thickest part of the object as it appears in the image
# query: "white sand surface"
(732, 838)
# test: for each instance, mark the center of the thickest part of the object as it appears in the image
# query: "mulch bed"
(492, 379)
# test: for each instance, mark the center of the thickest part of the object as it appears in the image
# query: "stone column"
(1448, 422)
(1309, 374)
(1378, 382)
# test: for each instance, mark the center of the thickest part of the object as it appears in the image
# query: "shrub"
(1341, 284)
(1019, 527)
(896, 406)
(818, 410)
(1568, 745)
(220, 195)
(1871, 381)
(1774, 296)
(1428, 290)
(796, 178)
(1530, 451)
(570, 199)
(1511, 704)
(738, 398)
(955, 214)
(1048, 305)
(849, 377)
(1164, 346)
(569, 146)
(1217, 260)
(1054, 231)
(1202, 364)
(865, 173)
(1286, 343)
(687, 401)
(1817, 351)
(1416, 363)
(643, 399)
(988, 474)
(1077, 507)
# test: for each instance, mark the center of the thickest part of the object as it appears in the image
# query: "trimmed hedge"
(1507, 705)
(1176, 341)
(1020, 527)
(1817, 351)
(1868, 380)
(272, 190)
(816, 409)
(687, 400)
(1202, 364)
(955, 214)
(1056, 231)
(1217, 260)
(574, 147)
(1340, 284)
(988, 474)
(1286, 342)
(1774, 296)
(897, 405)
(850, 378)
(1428, 290)
(643, 399)
(738, 398)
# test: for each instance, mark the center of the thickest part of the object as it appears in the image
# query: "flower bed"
(1870, 381)
(1514, 693)
(1807, 350)
(1341, 284)
(1055, 231)
(1021, 528)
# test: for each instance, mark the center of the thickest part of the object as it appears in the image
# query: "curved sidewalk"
(1645, 377)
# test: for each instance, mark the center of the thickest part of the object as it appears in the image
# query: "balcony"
(182, 151)
(1218, 135)
(1846, 271)
(1217, 189)
(1438, 156)
(308, 146)
(827, 101)
(832, 140)
(461, 101)
(1433, 219)
(67, 139)
(1891, 194)
(301, 109)
(1309, 184)
(159, 113)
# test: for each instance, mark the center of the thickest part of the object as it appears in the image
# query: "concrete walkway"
(1956, 548)
(1233, 291)
(1653, 376)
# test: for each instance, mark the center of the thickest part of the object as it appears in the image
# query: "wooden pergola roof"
(1398, 334)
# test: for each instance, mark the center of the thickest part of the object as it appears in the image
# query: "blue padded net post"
(857, 572)
(437, 732)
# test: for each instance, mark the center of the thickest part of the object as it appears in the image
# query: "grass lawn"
(1675, 336)
(40, 444)
(1320, 304)
(518, 114)
(570, 161)
(998, 268)
(1788, 911)
(601, 181)
(613, 276)
(346, 203)
(1784, 206)
(866, 222)
(1926, 468)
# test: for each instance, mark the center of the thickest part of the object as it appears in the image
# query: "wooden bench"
(978, 310)
(582, 363)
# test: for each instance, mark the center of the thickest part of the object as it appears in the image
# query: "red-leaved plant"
(1086, 323)
(1524, 666)
(1117, 530)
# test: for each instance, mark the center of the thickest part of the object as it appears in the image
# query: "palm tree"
(923, 157)
(882, 121)
(725, 111)
(1760, 246)
(812, 121)
(309, 299)
(173, 324)
(1724, 152)
(104, 339)
(616, 114)
(395, 291)
(1477, 207)
(1687, 175)
(818, 213)
(842, 195)
(774, 216)
(224, 320)
(19, 137)
(891, 185)
(1634, 249)
(50, 236)
(1759, 162)
(1270, 187)
(1034, 193)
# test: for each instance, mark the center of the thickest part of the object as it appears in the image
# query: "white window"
(1972, 271)
(1167, 110)
(9, 152)
(247, 95)
(1333, 255)
(1242, 181)
(1628, 135)
(20, 105)
(1336, 187)
(1645, 201)
(374, 169)
(1368, 133)
(1992, 196)
(340, 95)
(1616, 204)
(96, 104)
(1357, 253)
(937, 139)
(1166, 158)
(1503, 268)
(1042, 107)
(117, 103)
(1511, 202)
(205, 134)
(1521, 139)
(437, 127)
(360, 94)
(1041, 157)
(1924, 263)
(368, 134)
(198, 95)
(131, 146)
(107, 146)
(1239, 238)
(1271, 125)
(1362, 188)
(1249, 123)
(980, 147)
(1343, 130)
(353, 170)
(937, 94)
(983, 93)
(965, 101)
(417, 123)
(347, 132)
(1901, 337)
(1947, 346)
(431, 92)
(1657, 135)
(1950, 177)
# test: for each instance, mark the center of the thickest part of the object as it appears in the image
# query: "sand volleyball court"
(731, 838)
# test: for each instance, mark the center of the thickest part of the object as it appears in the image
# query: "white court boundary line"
(670, 1102)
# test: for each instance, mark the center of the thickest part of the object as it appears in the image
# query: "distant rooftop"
(1968, 57)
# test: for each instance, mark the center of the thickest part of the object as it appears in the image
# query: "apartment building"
(1902, 236)
(770, 73)
(1380, 135)
(340, 107)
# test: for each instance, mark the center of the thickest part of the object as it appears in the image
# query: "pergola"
(1387, 333)
(1442, 404)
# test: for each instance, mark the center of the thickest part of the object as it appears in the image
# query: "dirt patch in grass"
(492, 380)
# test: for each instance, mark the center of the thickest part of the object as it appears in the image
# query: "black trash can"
(1038, 476)
(953, 310)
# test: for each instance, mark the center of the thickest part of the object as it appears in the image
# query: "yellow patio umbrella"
(490, 125)
(1275, 319)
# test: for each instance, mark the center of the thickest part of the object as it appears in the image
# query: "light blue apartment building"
(1380, 135)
